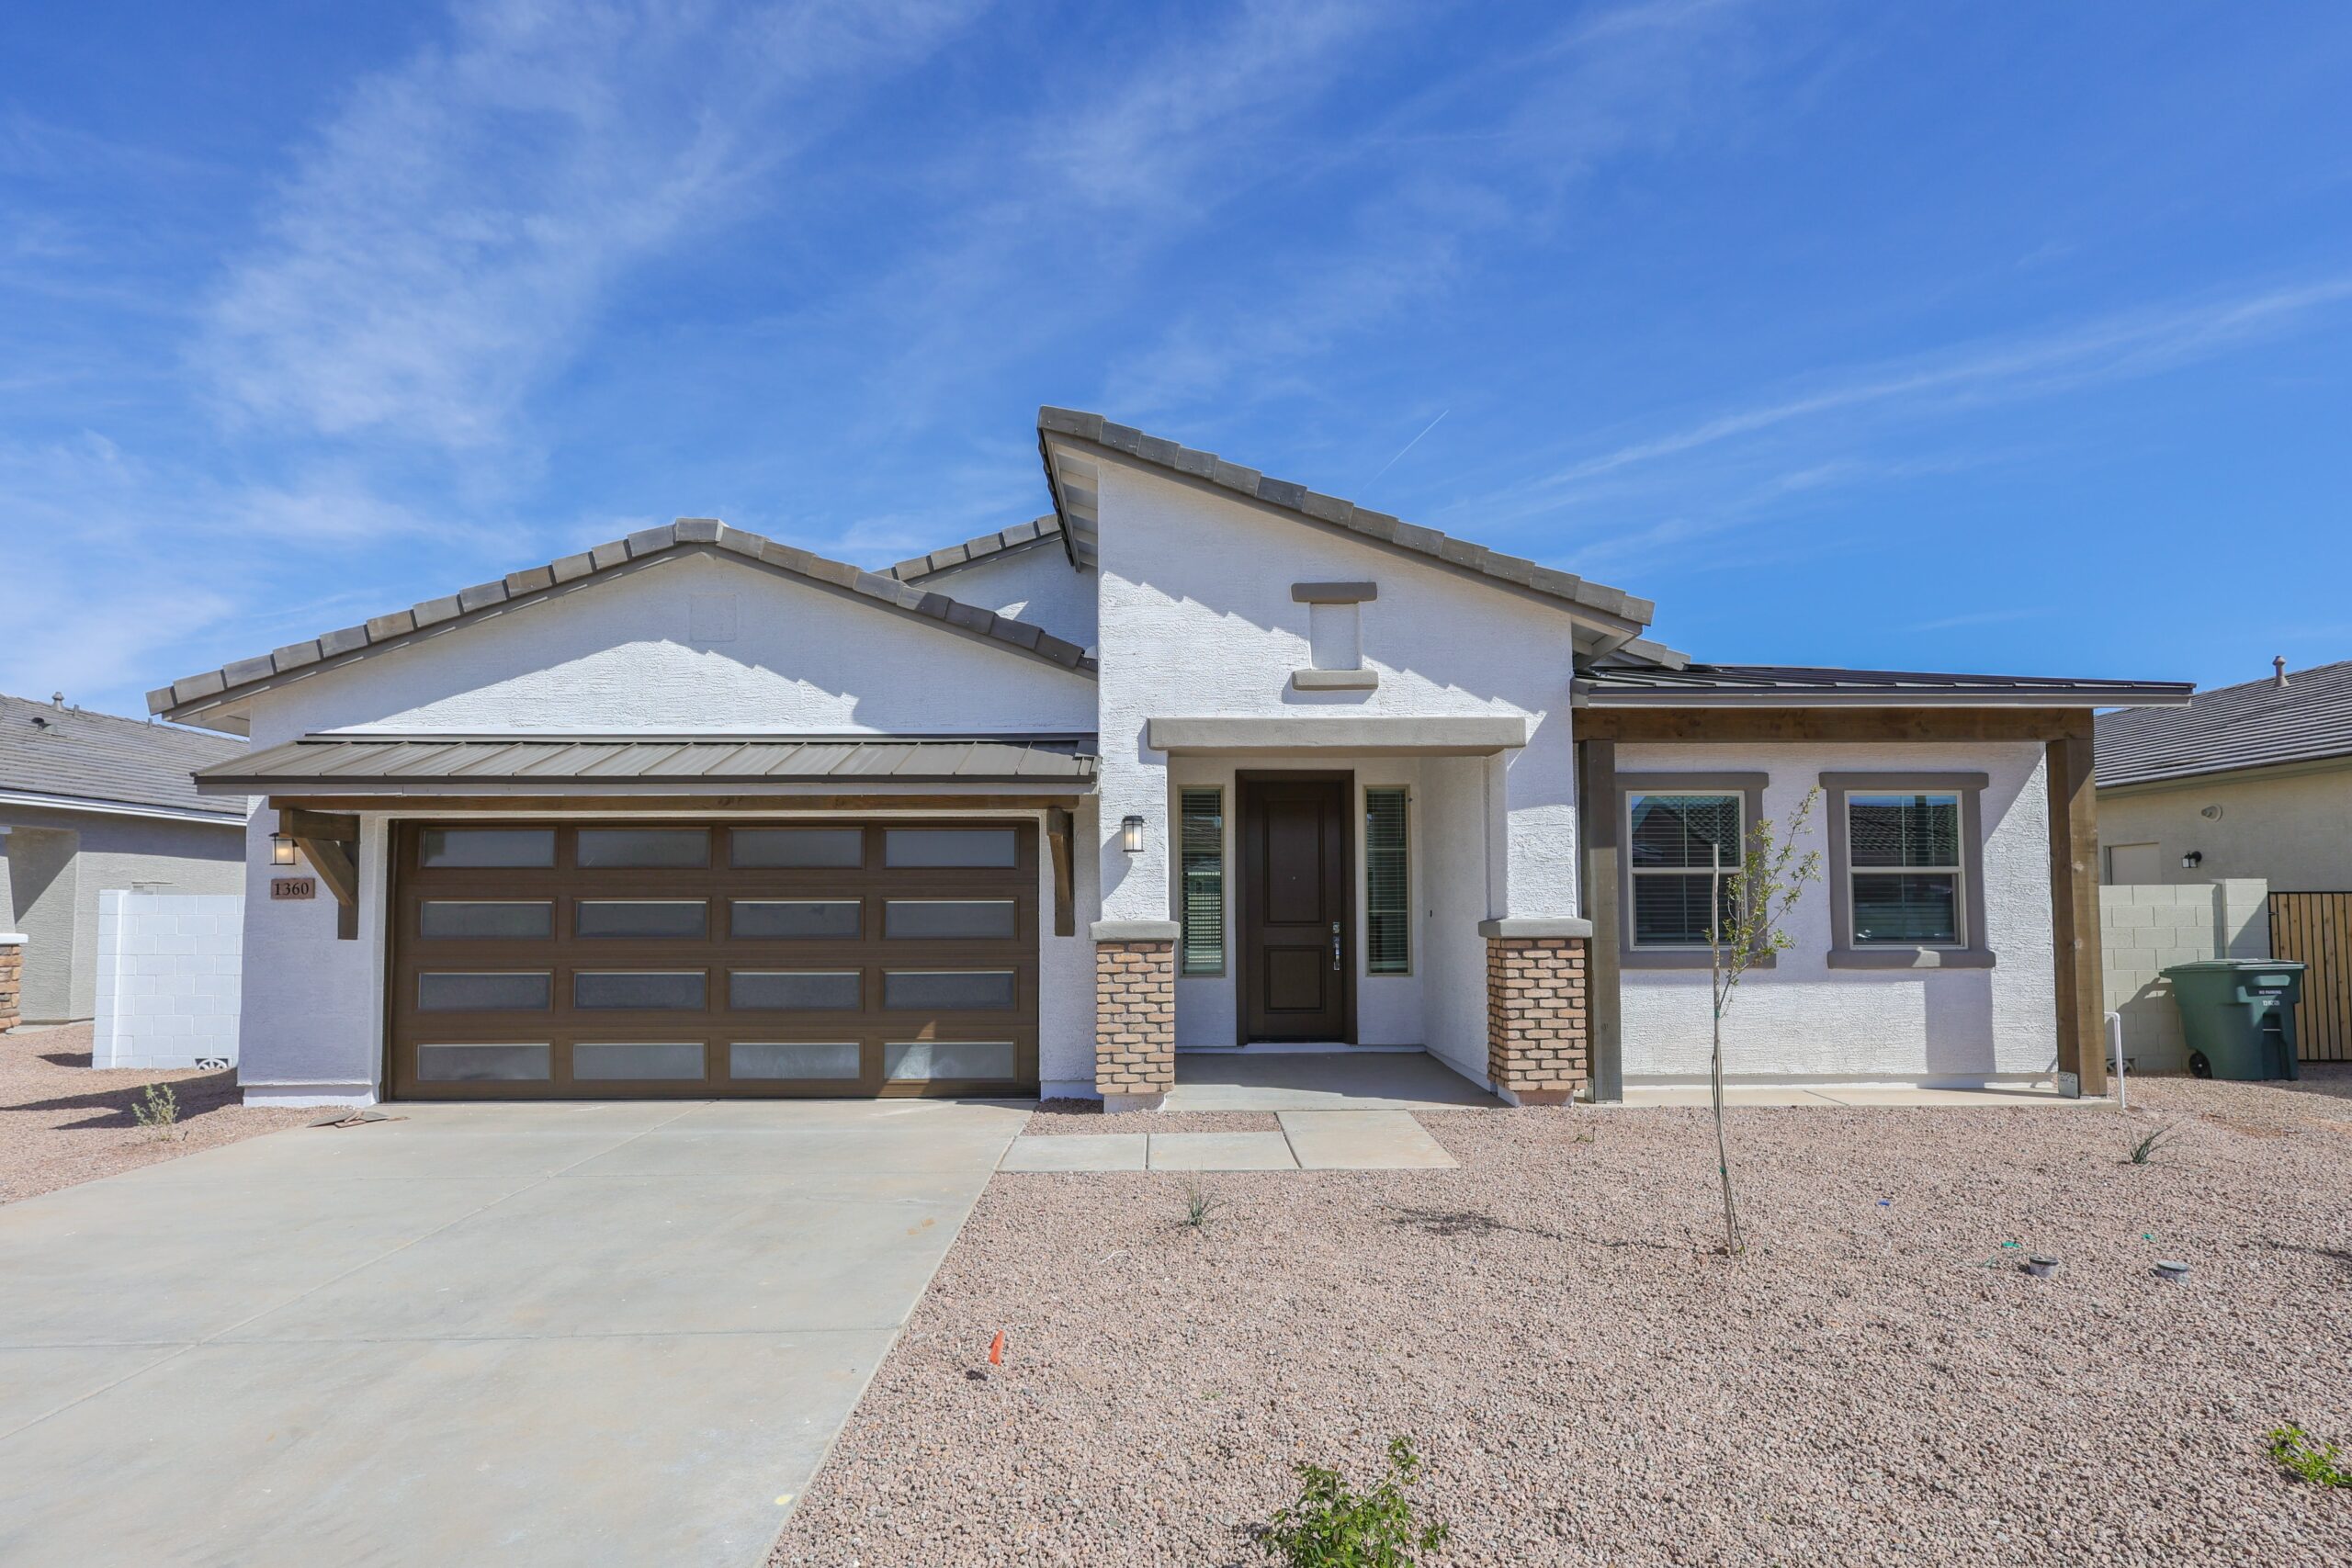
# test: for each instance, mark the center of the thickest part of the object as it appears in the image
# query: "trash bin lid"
(2236, 966)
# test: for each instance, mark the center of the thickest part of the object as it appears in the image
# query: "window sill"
(1682, 958)
(1910, 958)
(1335, 680)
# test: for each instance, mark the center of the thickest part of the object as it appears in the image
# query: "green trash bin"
(2239, 1016)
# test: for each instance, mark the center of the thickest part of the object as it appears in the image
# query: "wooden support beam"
(2074, 909)
(1660, 726)
(342, 827)
(1597, 876)
(333, 861)
(1060, 824)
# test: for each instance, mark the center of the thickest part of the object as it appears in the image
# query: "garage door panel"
(552, 962)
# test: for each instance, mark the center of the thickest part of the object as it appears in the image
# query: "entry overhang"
(1432, 735)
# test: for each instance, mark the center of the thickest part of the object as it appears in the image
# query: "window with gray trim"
(1200, 871)
(1671, 826)
(1906, 871)
(1677, 846)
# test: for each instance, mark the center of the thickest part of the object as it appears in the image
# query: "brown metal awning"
(321, 765)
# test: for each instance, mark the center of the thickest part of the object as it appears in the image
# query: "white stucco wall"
(621, 656)
(690, 641)
(1803, 1020)
(1197, 619)
(1036, 584)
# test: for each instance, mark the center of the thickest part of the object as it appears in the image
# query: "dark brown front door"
(1297, 952)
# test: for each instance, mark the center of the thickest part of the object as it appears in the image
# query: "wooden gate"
(2315, 930)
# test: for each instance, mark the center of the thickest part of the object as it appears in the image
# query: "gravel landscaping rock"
(1591, 1383)
(61, 1123)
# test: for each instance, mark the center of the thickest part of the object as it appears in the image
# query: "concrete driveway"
(567, 1334)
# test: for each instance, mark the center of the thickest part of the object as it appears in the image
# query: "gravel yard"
(61, 1123)
(1590, 1382)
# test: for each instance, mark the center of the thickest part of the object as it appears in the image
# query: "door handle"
(1334, 947)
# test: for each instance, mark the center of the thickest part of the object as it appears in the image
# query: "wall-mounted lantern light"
(282, 850)
(1131, 835)
(2192, 860)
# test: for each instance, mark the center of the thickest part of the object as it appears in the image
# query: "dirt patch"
(61, 1123)
(1590, 1383)
(1054, 1117)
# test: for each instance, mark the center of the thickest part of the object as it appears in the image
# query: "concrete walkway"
(522, 1335)
(1341, 1079)
(2009, 1095)
(1309, 1140)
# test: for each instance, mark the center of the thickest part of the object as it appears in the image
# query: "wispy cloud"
(1981, 618)
(445, 244)
(2112, 348)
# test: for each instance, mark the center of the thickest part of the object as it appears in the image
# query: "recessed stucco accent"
(1444, 735)
(1335, 680)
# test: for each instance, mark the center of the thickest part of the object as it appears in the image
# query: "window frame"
(1223, 886)
(1973, 951)
(1749, 787)
(1363, 858)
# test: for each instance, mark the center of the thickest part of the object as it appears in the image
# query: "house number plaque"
(293, 887)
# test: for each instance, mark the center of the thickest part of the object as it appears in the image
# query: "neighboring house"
(2251, 780)
(90, 802)
(1202, 760)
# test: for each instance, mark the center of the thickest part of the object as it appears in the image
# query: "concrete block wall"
(2147, 929)
(170, 976)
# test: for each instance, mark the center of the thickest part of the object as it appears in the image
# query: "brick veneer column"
(12, 982)
(1134, 1021)
(1538, 1028)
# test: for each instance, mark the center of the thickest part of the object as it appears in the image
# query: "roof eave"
(189, 700)
(1611, 611)
(2081, 698)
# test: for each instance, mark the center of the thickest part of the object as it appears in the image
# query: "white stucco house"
(1200, 760)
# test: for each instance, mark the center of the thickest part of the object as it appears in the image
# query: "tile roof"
(1764, 685)
(80, 756)
(377, 763)
(1043, 530)
(707, 534)
(2260, 724)
(1074, 506)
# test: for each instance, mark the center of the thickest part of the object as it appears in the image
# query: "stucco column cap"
(1134, 930)
(1536, 925)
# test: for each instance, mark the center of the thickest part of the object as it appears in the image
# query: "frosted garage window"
(520, 990)
(794, 991)
(836, 848)
(757, 1059)
(923, 1059)
(482, 1064)
(949, 917)
(667, 990)
(663, 1062)
(678, 918)
(949, 990)
(946, 847)
(448, 847)
(794, 918)
(644, 847)
(493, 918)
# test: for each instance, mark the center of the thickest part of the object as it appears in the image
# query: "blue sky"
(1930, 336)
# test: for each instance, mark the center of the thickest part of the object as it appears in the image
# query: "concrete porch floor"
(1322, 1080)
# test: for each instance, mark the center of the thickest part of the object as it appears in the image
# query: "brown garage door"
(608, 960)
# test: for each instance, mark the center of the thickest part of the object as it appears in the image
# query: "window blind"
(1387, 883)
(1201, 854)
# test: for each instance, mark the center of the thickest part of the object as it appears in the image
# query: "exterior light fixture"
(2192, 860)
(282, 850)
(1131, 835)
